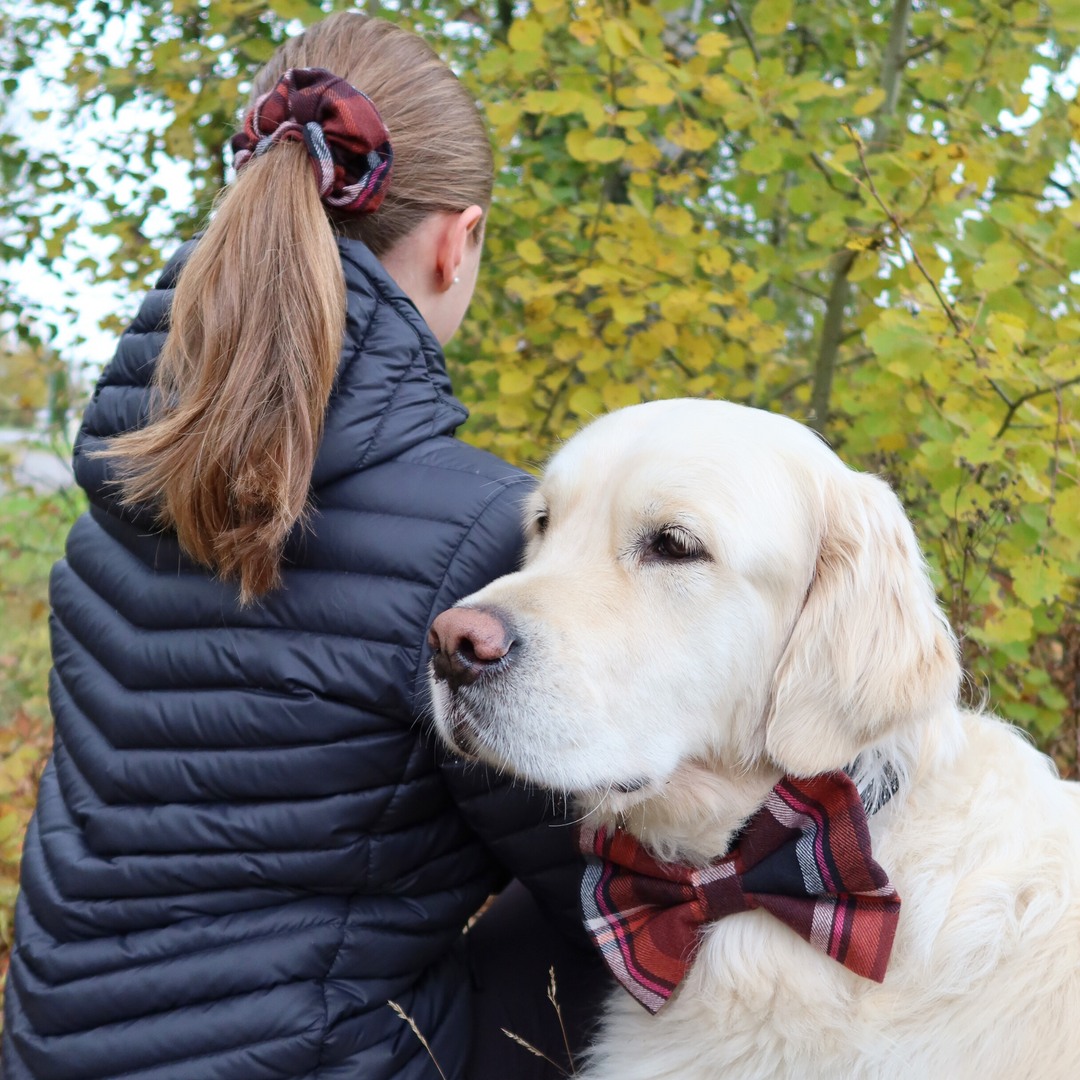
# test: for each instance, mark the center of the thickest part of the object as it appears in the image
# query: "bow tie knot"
(804, 857)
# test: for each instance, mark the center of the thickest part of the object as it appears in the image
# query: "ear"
(871, 652)
(457, 231)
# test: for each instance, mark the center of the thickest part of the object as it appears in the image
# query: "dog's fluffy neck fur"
(701, 807)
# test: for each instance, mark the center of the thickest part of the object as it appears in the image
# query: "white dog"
(711, 600)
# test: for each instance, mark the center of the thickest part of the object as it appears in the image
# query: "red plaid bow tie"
(804, 857)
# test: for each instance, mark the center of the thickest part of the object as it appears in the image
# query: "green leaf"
(762, 159)
(526, 35)
(771, 16)
(992, 276)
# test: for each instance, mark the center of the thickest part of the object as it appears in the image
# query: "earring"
(456, 280)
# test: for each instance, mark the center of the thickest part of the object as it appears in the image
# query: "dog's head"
(702, 582)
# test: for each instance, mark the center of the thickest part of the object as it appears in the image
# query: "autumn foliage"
(857, 213)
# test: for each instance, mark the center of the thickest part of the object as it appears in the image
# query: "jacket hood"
(392, 390)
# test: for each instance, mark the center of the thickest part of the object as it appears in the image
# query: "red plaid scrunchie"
(345, 137)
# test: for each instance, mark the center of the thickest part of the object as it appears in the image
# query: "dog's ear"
(871, 651)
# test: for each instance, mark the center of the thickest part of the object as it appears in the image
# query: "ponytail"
(243, 381)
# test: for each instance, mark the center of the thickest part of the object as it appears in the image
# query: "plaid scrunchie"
(345, 137)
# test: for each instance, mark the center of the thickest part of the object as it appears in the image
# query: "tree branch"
(747, 32)
(804, 379)
(1023, 398)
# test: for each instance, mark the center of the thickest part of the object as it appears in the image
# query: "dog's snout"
(465, 641)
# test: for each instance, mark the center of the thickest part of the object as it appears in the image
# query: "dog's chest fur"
(984, 979)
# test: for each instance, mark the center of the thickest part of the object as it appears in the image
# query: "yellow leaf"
(511, 416)
(8, 825)
(585, 401)
(867, 104)
(1013, 624)
(604, 150)
(619, 395)
(614, 38)
(515, 382)
(715, 261)
(713, 43)
(575, 143)
(766, 339)
(526, 35)
(627, 310)
(1067, 513)
(654, 94)
(529, 251)
(674, 219)
(642, 155)
(1036, 579)
(503, 112)
(894, 440)
(631, 119)
(555, 102)
(585, 30)
(691, 135)
(717, 90)
(771, 16)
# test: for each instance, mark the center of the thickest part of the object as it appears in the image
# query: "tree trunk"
(892, 66)
(831, 331)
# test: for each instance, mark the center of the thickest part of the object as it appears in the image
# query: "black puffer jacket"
(244, 844)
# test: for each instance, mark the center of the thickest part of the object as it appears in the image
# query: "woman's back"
(244, 844)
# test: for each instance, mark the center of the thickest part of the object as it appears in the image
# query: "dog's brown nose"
(465, 641)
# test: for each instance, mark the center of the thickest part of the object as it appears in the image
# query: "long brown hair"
(258, 315)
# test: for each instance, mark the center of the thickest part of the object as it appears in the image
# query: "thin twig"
(958, 326)
(803, 288)
(416, 1031)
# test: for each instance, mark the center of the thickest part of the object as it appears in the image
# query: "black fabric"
(245, 843)
(512, 949)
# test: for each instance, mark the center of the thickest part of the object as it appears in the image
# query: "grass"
(32, 533)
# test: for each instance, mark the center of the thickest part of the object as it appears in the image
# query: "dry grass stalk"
(552, 990)
(552, 996)
(532, 1050)
(416, 1031)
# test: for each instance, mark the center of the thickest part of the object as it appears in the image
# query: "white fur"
(808, 640)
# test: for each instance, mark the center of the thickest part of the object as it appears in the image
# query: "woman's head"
(442, 152)
(258, 314)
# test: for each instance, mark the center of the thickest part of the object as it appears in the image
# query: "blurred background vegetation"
(862, 213)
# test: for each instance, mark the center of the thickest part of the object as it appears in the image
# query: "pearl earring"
(456, 280)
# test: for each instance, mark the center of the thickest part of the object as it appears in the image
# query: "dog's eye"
(673, 545)
(541, 522)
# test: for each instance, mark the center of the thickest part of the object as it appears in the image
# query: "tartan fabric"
(804, 857)
(345, 137)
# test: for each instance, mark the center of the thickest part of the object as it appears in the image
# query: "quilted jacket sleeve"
(527, 829)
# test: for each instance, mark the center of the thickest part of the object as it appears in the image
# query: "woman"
(245, 845)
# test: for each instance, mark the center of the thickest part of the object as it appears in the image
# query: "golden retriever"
(711, 600)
